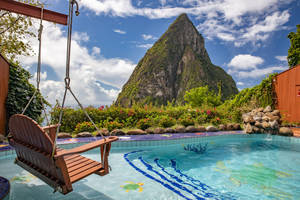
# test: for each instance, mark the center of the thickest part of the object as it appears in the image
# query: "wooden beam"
(33, 11)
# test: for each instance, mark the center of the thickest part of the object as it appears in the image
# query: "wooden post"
(4, 76)
(33, 11)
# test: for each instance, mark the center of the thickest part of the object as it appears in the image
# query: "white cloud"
(148, 37)
(87, 70)
(245, 61)
(260, 72)
(281, 58)
(146, 46)
(120, 31)
(240, 83)
(237, 21)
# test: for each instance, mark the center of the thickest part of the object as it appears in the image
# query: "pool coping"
(131, 138)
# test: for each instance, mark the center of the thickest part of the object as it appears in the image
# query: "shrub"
(111, 125)
(84, 126)
(144, 124)
(186, 120)
(166, 121)
(202, 96)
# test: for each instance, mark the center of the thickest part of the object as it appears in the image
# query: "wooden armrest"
(45, 128)
(86, 147)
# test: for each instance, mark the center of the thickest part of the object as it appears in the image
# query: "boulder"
(285, 131)
(136, 132)
(258, 124)
(237, 127)
(255, 129)
(265, 125)
(257, 118)
(260, 114)
(249, 119)
(274, 118)
(222, 127)
(103, 131)
(211, 129)
(159, 130)
(191, 129)
(229, 127)
(274, 124)
(180, 129)
(170, 130)
(261, 109)
(265, 118)
(149, 131)
(200, 129)
(276, 113)
(268, 109)
(248, 128)
(117, 132)
(2, 138)
(84, 134)
(64, 135)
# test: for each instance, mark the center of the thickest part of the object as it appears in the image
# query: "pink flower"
(208, 112)
(101, 108)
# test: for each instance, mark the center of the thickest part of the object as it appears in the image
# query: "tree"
(202, 96)
(294, 50)
(14, 31)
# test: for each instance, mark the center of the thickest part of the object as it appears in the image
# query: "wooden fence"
(4, 76)
(287, 88)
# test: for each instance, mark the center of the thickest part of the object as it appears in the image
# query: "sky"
(247, 38)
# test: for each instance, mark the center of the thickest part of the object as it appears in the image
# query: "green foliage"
(144, 124)
(166, 121)
(294, 50)
(111, 125)
(200, 96)
(13, 29)
(19, 93)
(186, 120)
(84, 127)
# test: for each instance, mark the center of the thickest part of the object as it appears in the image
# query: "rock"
(274, 118)
(211, 129)
(64, 135)
(103, 131)
(237, 127)
(200, 129)
(257, 118)
(255, 129)
(276, 113)
(248, 128)
(249, 119)
(159, 130)
(84, 134)
(149, 131)
(180, 129)
(274, 124)
(229, 127)
(268, 109)
(265, 125)
(222, 127)
(191, 129)
(261, 109)
(170, 130)
(2, 138)
(258, 124)
(136, 132)
(285, 131)
(117, 132)
(265, 118)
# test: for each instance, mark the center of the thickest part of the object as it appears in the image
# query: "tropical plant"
(200, 96)
(84, 127)
(294, 50)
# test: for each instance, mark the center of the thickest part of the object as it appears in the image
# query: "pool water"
(216, 167)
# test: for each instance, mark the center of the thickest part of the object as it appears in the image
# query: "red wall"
(4, 76)
(287, 88)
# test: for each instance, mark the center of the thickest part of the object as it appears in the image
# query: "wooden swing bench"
(34, 153)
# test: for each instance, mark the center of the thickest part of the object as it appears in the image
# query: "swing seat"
(34, 153)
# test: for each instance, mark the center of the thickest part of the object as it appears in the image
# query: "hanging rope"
(38, 73)
(67, 78)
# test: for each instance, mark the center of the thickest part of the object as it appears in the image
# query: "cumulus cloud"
(120, 31)
(148, 37)
(245, 61)
(236, 21)
(240, 83)
(146, 46)
(88, 69)
(260, 72)
(281, 58)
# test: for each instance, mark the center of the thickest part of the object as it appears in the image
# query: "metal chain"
(67, 78)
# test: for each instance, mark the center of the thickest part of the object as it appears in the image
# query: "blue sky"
(247, 38)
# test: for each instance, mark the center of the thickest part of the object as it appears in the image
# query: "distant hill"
(177, 62)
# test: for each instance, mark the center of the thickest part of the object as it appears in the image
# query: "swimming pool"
(215, 167)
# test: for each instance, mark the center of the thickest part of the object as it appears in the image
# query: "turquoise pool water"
(216, 167)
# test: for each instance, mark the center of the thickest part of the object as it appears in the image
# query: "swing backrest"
(33, 146)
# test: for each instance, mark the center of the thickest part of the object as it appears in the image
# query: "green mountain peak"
(177, 62)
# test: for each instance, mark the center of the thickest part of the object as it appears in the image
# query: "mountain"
(177, 62)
